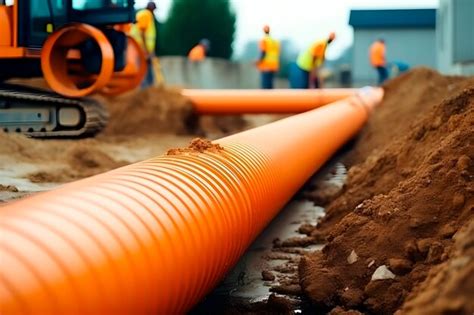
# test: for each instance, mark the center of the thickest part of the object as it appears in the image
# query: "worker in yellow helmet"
(269, 62)
(144, 32)
(305, 72)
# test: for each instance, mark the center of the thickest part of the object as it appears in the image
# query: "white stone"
(382, 273)
(352, 258)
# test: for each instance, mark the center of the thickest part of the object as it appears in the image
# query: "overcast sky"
(303, 21)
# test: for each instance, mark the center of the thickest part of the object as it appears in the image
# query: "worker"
(144, 32)
(304, 73)
(269, 62)
(377, 59)
(199, 52)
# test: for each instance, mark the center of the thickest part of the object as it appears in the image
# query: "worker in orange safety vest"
(377, 59)
(269, 62)
(199, 52)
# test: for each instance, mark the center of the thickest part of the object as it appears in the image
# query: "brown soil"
(407, 97)
(150, 111)
(197, 145)
(380, 157)
(9, 188)
(82, 161)
(444, 290)
(410, 190)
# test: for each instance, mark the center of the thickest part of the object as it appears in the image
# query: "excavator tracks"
(42, 114)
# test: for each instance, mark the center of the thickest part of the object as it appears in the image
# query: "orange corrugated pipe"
(154, 237)
(281, 101)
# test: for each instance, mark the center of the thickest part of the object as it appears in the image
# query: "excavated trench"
(406, 205)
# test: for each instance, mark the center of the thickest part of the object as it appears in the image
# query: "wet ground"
(276, 253)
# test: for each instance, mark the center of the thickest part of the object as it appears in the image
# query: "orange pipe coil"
(154, 237)
(281, 101)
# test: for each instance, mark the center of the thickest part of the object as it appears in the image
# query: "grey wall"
(414, 46)
(212, 74)
(455, 35)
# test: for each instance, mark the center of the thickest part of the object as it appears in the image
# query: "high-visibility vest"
(318, 51)
(271, 61)
(198, 53)
(145, 23)
(377, 54)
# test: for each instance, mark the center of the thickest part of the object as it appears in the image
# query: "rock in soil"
(409, 191)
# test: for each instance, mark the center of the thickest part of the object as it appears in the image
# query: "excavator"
(79, 47)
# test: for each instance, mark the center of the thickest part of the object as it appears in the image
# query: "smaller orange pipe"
(281, 101)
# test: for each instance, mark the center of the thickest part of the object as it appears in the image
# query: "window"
(98, 4)
(41, 19)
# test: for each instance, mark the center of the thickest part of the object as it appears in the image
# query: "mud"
(408, 192)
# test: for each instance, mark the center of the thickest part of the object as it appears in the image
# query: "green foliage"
(191, 20)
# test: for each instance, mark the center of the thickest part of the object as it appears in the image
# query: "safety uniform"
(377, 54)
(307, 61)
(145, 24)
(198, 53)
(315, 53)
(271, 60)
(377, 60)
(269, 64)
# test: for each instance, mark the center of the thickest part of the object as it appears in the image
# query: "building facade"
(410, 38)
(455, 37)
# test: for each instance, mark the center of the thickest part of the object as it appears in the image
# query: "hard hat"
(332, 36)
(266, 29)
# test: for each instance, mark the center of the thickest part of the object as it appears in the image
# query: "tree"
(191, 20)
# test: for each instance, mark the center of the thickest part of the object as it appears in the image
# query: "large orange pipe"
(215, 102)
(156, 236)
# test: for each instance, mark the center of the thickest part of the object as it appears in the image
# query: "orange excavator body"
(79, 48)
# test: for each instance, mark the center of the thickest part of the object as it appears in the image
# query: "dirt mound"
(148, 111)
(197, 145)
(449, 287)
(382, 155)
(407, 97)
(156, 110)
(401, 207)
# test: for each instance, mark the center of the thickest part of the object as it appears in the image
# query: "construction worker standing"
(305, 72)
(269, 62)
(377, 59)
(144, 32)
(199, 52)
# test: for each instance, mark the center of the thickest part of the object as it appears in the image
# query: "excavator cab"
(79, 47)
